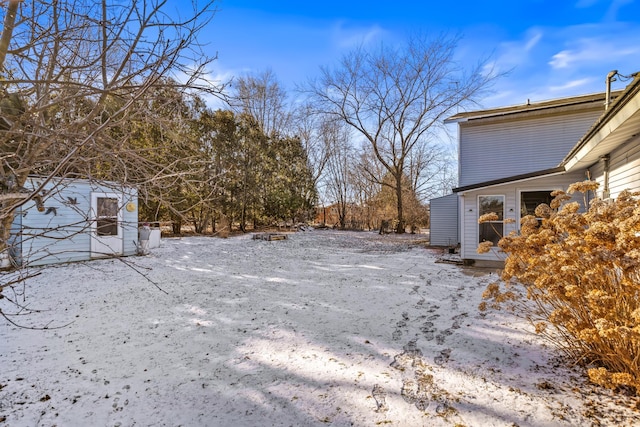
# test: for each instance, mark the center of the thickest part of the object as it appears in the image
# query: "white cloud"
(347, 38)
(517, 53)
(573, 84)
(502, 97)
(562, 59)
(594, 50)
(614, 8)
(533, 40)
(490, 69)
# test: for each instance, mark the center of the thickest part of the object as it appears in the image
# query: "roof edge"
(630, 91)
(530, 107)
(515, 178)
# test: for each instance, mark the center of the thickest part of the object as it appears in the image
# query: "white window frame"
(519, 201)
(501, 222)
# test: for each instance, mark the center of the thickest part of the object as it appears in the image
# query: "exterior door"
(106, 225)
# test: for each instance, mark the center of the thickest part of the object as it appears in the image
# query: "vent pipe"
(611, 77)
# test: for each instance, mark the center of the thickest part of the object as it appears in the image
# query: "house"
(74, 220)
(512, 158)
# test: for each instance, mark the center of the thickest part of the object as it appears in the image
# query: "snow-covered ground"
(324, 328)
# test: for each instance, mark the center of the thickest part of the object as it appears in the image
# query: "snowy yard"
(324, 328)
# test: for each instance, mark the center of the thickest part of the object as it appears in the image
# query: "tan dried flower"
(570, 208)
(540, 327)
(576, 267)
(543, 211)
(488, 217)
(623, 378)
(583, 187)
(492, 290)
(600, 376)
(484, 247)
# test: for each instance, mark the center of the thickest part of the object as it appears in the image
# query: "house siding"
(63, 234)
(511, 191)
(444, 221)
(624, 169)
(496, 149)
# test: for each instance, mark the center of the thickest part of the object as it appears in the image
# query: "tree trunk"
(176, 226)
(243, 218)
(400, 227)
(9, 24)
(6, 222)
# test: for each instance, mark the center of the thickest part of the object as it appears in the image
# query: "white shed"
(444, 221)
(74, 220)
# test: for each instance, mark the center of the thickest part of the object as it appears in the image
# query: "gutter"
(610, 112)
(562, 103)
(553, 171)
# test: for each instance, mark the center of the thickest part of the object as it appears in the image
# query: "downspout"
(606, 160)
(611, 77)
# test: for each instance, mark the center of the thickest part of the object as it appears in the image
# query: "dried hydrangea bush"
(576, 276)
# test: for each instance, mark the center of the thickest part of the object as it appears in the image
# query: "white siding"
(624, 169)
(444, 221)
(469, 209)
(502, 148)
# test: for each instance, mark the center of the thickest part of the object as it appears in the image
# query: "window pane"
(491, 232)
(530, 200)
(490, 204)
(107, 216)
(107, 227)
(107, 207)
(494, 230)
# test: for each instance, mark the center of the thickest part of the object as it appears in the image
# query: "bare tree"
(262, 97)
(425, 167)
(78, 76)
(340, 166)
(313, 129)
(396, 97)
(447, 178)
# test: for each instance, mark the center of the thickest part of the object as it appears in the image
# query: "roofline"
(529, 107)
(515, 178)
(630, 91)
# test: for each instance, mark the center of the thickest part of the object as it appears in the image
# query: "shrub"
(581, 274)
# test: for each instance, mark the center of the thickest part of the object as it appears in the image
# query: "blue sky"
(553, 48)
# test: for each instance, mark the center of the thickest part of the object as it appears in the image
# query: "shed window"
(107, 218)
(491, 231)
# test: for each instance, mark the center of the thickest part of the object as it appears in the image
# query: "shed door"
(106, 225)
